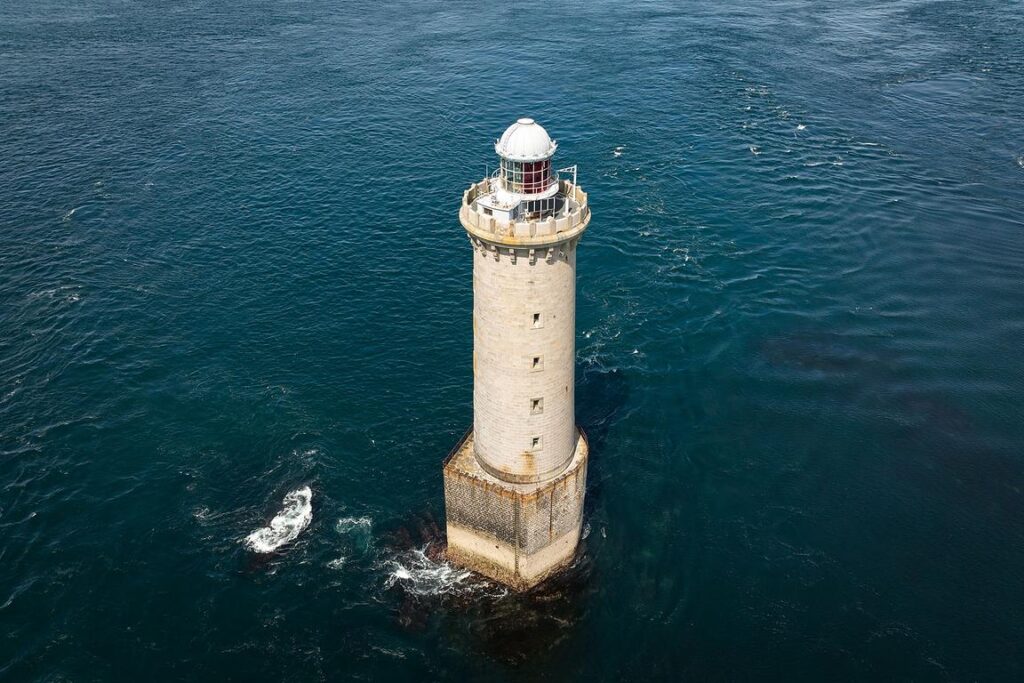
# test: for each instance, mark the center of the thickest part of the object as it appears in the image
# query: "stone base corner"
(517, 534)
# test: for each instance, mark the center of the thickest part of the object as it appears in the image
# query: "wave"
(286, 526)
(357, 541)
(359, 525)
(420, 575)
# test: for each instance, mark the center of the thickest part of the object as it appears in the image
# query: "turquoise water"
(231, 267)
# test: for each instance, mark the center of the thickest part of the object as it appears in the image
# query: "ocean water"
(231, 268)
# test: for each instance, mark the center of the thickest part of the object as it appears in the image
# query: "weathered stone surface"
(517, 534)
(507, 379)
(514, 490)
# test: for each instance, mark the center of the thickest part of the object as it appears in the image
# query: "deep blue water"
(231, 266)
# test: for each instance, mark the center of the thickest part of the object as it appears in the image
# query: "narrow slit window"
(536, 406)
(536, 444)
(537, 363)
(537, 322)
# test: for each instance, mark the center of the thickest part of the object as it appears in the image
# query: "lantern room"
(526, 149)
(525, 187)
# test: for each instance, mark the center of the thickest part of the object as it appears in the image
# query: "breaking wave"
(286, 526)
(417, 574)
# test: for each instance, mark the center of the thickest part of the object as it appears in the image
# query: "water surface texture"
(231, 268)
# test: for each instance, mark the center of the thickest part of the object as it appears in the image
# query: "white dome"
(525, 140)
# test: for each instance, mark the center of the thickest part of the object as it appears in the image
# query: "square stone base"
(518, 534)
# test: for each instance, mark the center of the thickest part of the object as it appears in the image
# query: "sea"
(236, 338)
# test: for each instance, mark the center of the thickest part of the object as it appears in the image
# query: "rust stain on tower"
(514, 485)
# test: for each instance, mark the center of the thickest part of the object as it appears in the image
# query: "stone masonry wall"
(552, 512)
(514, 533)
(519, 360)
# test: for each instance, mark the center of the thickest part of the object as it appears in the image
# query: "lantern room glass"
(526, 177)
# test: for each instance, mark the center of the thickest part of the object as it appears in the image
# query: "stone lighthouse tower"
(514, 485)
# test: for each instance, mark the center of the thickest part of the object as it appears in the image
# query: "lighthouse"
(514, 485)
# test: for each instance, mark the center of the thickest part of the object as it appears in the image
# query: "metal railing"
(575, 215)
(458, 445)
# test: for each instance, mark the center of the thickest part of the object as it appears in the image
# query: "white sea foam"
(357, 532)
(618, 150)
(419, 575)
(801, 127)
(285, 527)
(755, 150)
(422, 576)
(347, 525)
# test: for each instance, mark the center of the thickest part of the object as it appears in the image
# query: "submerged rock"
(509, 626)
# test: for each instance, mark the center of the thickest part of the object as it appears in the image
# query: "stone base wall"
(517, 534)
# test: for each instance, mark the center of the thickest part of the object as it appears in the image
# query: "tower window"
(536, 444)
(536, 406)
(537, 321)
(537, 364)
